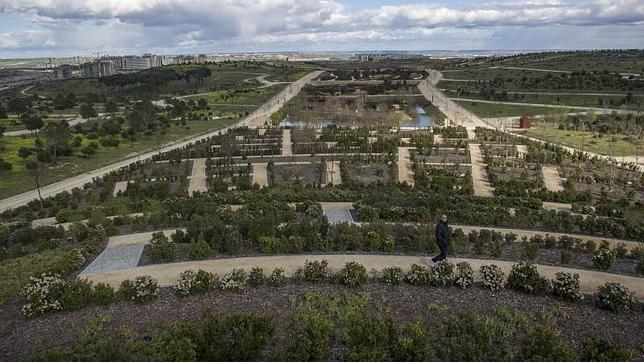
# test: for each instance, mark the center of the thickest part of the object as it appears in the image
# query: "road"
(542, 105)
(461, 116)
(255, 119)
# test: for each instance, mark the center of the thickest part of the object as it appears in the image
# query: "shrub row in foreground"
(50, 293)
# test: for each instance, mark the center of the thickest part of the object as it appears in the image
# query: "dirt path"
(405, 173)
(552, 178)
(481, 183)
(168, 274)
(539, 105)
(287, 144)
(198, 177)
(260, 174)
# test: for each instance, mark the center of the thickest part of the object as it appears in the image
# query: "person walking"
(443, 237)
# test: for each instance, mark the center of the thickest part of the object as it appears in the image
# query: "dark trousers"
(442, 255)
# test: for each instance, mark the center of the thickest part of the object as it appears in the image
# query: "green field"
(490, 110)
(18, 180)
(617, 145)
(252, 97)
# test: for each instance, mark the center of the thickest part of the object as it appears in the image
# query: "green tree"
(87, 111)
(32, 122)
(36, 171)
(56, 135)
(111, 107)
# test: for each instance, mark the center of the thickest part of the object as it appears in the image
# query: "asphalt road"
(255, 119)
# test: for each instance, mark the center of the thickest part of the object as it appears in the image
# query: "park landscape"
(285, 211)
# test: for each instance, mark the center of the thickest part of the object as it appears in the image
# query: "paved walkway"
(119, 186)
(333, 174)
(481, 183)
(198, 177)
(522, 150)
(405, 173)
(287, 144)
(338, 212)
(260, 174)
(121, 253)
(168, 274)
(552, 178)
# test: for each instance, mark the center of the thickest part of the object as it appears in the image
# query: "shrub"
(492, 277)
(388, 244)
(77, 294)
(316, 271)
(596, 348)
(308, 336)
(418, 275)
(616, 298)
(604, 258)
(256, 277)
(235, 337)
(104, 294)
(531, 251)
(235, 280)
(565, 256)
(142, 289)
(414, 343)
(525, 278)
(442, 274)
(352, 274)
(464, 277)
(161, 249)
(566, 286)
(277, 278)
(199, 282)
(393, 276)
(472, 337)
(42, 295)
(270, 244)
(200, 249)
(544, 344)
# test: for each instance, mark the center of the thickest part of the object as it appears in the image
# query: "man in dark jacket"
(443, 237)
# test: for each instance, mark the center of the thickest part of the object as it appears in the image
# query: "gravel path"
(260, 174)
(405, 173)
(168, 274)
(480, 181)
(198, 178)
(552, 178)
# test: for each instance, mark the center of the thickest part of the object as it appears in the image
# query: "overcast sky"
(30, 28)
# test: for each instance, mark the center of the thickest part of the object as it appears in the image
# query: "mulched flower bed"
(20, 338)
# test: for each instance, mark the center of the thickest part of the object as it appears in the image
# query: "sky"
(57, 28)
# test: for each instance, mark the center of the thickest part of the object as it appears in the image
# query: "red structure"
(525, 122)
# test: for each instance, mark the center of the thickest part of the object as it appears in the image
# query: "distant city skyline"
(58, 28)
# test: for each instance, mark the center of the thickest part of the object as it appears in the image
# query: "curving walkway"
(168, 274)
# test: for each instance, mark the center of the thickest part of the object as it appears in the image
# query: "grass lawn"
(490, 110)
(251, 97)
(622, 145)
(18, 180)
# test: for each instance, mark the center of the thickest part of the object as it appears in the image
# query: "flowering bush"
(277, 278)
(235, 280)
(464, 277)
(418, 275)
(492, 277)
(256, 277)
(566, 286)
(393, 275)
(525, 278)
(316, 271)
(616, 298)
(42, 295)
(142, 289)
(604, 258)
(199, 282)
(352, 275)
(442, 274)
